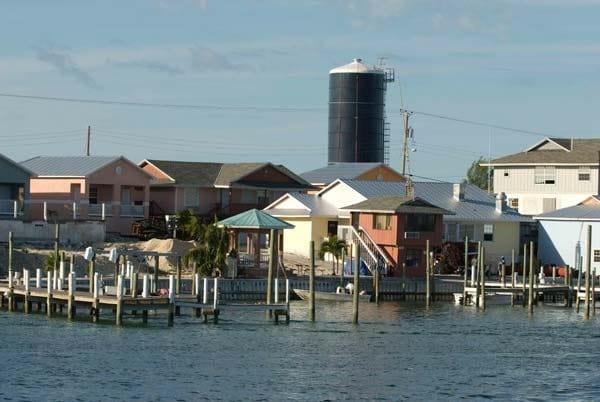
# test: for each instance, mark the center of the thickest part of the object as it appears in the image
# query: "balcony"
(9, 208)
(102, 209)
(130, 210)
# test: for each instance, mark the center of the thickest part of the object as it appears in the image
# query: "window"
(450, 232)
(596, 255)
(488, 232)
(332, 228)
(191, 197)
(382, 221)
(413, 257)
(545, 175)
(93, 195)
(420, 223)
(514, 203)
(584, 173)
(466, 230)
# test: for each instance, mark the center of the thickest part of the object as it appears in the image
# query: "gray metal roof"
(397, 204)
(583, 151)
(574, 213)
(67, 166)
(317, 206)
(477, 205)
(339, 170)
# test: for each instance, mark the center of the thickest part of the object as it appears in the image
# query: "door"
(125, 196)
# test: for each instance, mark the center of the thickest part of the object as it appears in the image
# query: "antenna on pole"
(407, 132)
(87, 148)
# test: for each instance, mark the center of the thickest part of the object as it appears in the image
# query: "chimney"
(501, 202)
(409, 189)
(459, 191)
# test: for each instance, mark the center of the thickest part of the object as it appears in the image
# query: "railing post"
(45, 211)
(15, 209)
(74, 210)
(216, 293)
(103, 211)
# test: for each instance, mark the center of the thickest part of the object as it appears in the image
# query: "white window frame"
(585, 172)
(488, 229)
(596, 255)
(514, 203)
(545, 175)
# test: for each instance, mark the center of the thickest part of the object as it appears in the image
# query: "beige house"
(552, 174)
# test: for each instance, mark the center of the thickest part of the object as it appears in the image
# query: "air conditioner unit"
(412, 235)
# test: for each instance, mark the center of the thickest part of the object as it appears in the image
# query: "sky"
(247, 80)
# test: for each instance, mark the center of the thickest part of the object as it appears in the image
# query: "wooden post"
(38, 278)
(205, 291)
(71, 263)
(49, 297)
(531, 279)
(478, 274)
(216, 301)
(71, 301)
(311, 283)
(133, 284)
(404, 281)
(271, 270)
(577, 299)
(26, 302)
(594, 292)
(178, 272)
(427, 276)
(466, 269)
(524, 271)
(119, 313)
(513, 266)
(343, 258)
(503, 273)
(356, 286)
(588, 265)
(171, 300)
(568, 284)
(155, 281)
(56, 240)
(10, 259)
(91, 269)
(95, 313)
(198, 295)
(482, 278)
(376, 278)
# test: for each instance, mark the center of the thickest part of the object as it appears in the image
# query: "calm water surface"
(398, 352)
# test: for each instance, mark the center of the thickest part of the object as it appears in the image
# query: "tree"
(334, 246)
(478, 175)
(188, 226)
(450, 257)
(211, 252)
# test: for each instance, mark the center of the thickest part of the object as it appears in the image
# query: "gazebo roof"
(254, 219)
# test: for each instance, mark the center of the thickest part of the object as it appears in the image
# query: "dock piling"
(356, 289)
(588, 272)
(71, 300)
(171, 300)
(531, 279)
(311, 283)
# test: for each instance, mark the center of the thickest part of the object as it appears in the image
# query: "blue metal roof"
(67, 166)
(339, 170)
(477, 205)
(574, 213)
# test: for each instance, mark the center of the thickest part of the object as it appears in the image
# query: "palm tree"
(211, 252)
(334, 246)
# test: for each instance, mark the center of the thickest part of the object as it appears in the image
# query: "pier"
(48, 296)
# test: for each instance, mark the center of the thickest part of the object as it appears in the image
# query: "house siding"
(567, 190)
(557, 241)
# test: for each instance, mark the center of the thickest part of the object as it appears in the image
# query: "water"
(398, 352)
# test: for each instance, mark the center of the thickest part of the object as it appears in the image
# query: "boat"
(330, 296)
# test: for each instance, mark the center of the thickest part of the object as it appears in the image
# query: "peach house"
(111, 188)
(401, 227)
(222, 189)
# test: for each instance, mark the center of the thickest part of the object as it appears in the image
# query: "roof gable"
(554, 151)
(67, 166)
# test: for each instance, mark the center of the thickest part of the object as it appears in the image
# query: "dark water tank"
(356, 113)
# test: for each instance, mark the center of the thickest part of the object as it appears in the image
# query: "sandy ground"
(32, 256)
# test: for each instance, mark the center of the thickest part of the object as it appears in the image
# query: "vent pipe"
(501, 202)
(459, 191)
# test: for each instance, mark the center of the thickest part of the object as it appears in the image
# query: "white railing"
(132, 210)
(351, 235)
(9, 208)
(378, 251)
(103, 209)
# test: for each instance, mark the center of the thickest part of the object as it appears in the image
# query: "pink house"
(222, 189)
(113, 189)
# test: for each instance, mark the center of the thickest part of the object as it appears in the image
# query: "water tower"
(357, 127)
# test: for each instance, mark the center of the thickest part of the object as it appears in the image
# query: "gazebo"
(254, 223)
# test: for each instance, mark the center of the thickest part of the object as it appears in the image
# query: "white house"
(562, 234)
(476, 214)
(552, 174)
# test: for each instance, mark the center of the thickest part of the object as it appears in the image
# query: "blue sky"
(529, 64)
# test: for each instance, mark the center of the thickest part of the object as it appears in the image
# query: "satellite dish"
(89, 254)
(113, 255)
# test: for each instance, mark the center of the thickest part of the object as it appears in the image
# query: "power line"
(477, 123)
(165, 105)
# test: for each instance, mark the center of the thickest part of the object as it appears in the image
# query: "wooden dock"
(21, 295)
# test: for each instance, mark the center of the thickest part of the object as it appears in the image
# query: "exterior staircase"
(374, 256)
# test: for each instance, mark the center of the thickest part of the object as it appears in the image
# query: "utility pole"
(406, 114)
(87, 148)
